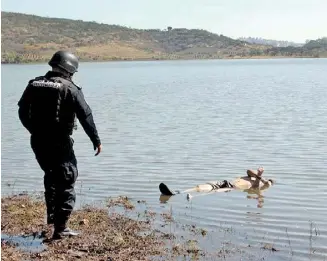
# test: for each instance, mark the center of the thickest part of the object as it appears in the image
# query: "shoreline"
(123, 228)
(115, 230)
(180, 59)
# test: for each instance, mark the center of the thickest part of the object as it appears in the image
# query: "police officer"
(47, 109)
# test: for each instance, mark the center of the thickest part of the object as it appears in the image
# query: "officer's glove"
(98, 148)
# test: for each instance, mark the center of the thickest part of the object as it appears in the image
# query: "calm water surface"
(189, 122)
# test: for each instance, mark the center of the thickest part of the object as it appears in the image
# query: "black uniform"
(47, 109)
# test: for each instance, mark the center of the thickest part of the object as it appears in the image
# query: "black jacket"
(49, 105)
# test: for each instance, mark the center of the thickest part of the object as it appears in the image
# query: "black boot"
(61, 232)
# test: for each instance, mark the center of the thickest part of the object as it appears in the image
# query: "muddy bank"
(106, 234)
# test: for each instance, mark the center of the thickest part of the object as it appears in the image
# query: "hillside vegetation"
(30, 38)
(271, 42)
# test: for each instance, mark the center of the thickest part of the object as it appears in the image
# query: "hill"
(314, 48)
(317, 44)
(271, 42)
(31, 38)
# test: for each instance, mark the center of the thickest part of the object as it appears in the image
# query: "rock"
(84, 222)
(269, 247)
(77, 254)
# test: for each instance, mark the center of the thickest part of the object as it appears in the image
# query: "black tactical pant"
(56, 158)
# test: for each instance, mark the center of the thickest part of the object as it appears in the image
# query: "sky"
(290, 20)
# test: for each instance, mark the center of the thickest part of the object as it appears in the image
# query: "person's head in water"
(64, 62)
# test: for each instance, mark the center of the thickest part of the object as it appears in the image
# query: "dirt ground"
(105, 235)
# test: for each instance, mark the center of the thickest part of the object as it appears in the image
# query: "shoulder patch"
(43, 83)
(35, 79)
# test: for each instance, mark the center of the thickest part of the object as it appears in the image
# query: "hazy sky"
(293, 20)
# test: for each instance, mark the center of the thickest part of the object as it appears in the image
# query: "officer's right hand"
(99, 148)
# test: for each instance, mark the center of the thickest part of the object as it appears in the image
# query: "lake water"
(188, 122)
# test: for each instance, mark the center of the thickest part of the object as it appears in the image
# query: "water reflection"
(256, 194)
(30, 243)
(164, 198)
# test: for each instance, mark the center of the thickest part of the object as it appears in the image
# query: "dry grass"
(109, 50)
(103, 236)
(109, 235)
(21, 214)
(99, 52)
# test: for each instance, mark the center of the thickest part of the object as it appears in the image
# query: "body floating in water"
(253, 180)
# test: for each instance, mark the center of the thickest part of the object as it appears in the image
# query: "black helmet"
(64, 60)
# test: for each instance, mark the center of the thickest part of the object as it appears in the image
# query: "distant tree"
(169, 28)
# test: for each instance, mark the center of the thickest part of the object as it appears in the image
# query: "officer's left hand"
(99, 148)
